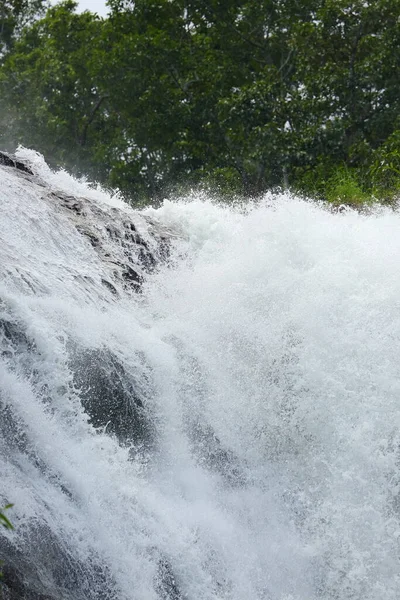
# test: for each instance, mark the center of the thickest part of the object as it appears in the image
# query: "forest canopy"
(239, 95)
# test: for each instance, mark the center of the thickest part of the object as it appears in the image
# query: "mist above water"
(231, 431)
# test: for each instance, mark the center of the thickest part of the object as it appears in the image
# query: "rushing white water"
(263, 460)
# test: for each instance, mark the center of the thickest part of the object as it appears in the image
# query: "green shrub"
(6, 523)
(343, 187)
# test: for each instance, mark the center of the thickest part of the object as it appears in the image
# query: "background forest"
(239, 95)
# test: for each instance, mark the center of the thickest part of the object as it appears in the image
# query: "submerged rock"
(60, 576)
(111, 397)
(166, 585)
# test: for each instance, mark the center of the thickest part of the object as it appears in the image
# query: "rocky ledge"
(8, 160)
(130, 244)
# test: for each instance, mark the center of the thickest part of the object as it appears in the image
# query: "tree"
(349, 70)
(14, 15)
(243, 94)
(53, 103)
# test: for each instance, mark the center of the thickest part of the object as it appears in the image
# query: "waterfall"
(197, 401)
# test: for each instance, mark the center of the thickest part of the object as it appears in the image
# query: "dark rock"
(14, 339)
(113, 232)
(109, 286)
(14, 586)
(8, 160)
(167, 586)
(93, 238)
(132, 277)
(146, 258)
(110, 396)
(70, 202)
(212, 455)
(61, 576)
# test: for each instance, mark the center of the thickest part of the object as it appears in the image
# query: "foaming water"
(232, 432)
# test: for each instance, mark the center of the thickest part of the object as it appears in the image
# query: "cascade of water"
(223, 424)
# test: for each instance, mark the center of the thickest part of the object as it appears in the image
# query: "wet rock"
(212, 455)
(60, 577)
(132, 277)
(118, 243)
(130, 242)
(14, 586)
(167, 585)
(92, 220)
(13, 339)
(110, 396)
(70, 202)
(146, 258)
(109, 286)
(9, 160)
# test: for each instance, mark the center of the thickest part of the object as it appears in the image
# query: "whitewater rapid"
(230, 432)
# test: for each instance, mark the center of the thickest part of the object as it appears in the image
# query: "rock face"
(128, 246)
(14, 587)
(135, 256)
(10, 161)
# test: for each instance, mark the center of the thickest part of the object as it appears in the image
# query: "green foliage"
(6, 523)
(338, 184)
(384, 170)
(236, 94)
(14, 15)
(343, 187)
(51, 102)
